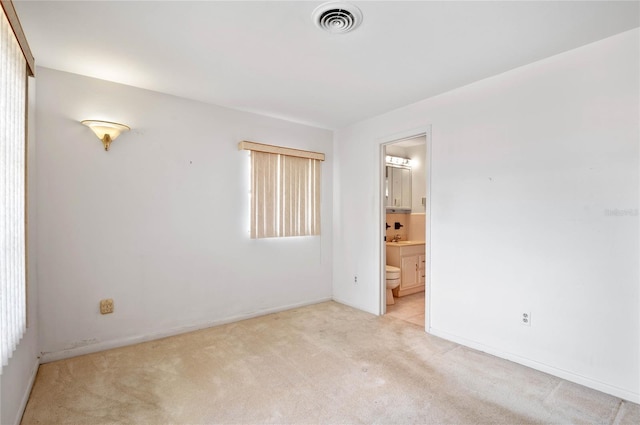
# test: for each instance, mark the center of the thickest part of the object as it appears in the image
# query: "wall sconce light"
(106, 131)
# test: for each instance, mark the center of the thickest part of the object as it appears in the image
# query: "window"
(13, 100)
(285, 191)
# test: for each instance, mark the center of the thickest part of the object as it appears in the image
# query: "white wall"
(160, 222)
(525, 167)
(18, 375)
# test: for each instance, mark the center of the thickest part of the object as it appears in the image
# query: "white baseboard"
(122, 342)
(551, 370)
(357, 307)
(27, 393)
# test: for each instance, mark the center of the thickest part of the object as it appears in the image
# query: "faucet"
(396, 238)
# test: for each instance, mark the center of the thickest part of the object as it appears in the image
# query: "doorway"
(405, 207)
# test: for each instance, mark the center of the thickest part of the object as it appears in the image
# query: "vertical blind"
(285, 191)
(285, 195)
(13, 80)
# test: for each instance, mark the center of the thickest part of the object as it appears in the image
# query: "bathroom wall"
(417, 223)
(403, 232)
(160, 222)
(413, 226)
(535, 184)
(418, 156)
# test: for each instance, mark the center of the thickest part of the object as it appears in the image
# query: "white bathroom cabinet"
(410, 258)
(398, 188)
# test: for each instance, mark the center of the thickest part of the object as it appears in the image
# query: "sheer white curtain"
(13, 79)
(285, 195)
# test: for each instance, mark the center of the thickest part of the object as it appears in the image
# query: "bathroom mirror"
(398, 188)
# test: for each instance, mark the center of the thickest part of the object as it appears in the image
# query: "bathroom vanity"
(409, 256)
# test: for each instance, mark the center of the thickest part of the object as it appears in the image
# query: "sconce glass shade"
(106, 131)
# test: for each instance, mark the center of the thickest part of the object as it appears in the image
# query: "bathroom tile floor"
(409, 308)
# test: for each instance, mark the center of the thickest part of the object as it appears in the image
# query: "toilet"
(393, 281)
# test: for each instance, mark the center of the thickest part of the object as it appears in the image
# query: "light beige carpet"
(325, 363)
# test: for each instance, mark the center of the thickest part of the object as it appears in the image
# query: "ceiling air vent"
(337, 17)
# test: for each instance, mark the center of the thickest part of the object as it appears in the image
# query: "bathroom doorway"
(405, 252)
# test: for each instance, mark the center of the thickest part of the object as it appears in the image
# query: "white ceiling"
(269, 58)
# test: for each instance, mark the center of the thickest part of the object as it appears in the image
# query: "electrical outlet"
(525, 319)
(106, 306)
(355, 279)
